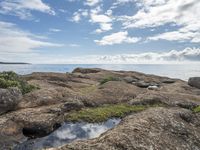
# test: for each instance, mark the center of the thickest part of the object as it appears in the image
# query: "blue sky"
(100, 31)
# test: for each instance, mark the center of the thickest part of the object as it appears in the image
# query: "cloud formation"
(117, 38)
(92, 2)
(184, 14)
(23, 8)
(187, 55)
(14, 40)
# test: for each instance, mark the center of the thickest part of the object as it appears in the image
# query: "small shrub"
(11, 79)
(197, 109)
(107, 79)
(8, 83)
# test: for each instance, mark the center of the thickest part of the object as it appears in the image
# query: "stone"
(86, 70)
(153, 87)
(195, 82)
(72, 105)
(9, 99)
(142, 84)
(130, 79)
(168, 81)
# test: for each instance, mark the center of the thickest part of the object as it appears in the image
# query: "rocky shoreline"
(157, 112)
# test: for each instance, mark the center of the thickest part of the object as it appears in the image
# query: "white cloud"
(117, 38)
(92, 2)
(74, 45)
(100, 18)
(187, 55)
(54, 30)
(104, 27)
(14, 40)
(23, 8)
(184, 14)
(104, 20)
(177, 36)
(77, 16)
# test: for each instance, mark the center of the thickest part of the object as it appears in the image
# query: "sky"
(100, 31)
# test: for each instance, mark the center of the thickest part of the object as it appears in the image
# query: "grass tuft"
(102, 113)
(197, 109)
(11, 79)
(109, 78)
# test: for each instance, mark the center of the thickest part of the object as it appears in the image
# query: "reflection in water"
(69, 132)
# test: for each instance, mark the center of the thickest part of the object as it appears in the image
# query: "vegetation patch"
(102, 113)
(109, 78)
(11, 79)
(197, 109)
(88, 89)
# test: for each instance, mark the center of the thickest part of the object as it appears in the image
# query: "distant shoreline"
(13, 63)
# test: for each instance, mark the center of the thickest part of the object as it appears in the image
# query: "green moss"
(109, 78)
(102, 113)
(88, 89)
(11, 79)
(197, 109)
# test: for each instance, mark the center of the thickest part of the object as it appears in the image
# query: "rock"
(152, 87)
(142, 84)
(168, 81)
(40, 112)
(72, 105)
(195, 82)
(130, 79)
(86, 70)
(9, 99)
(152, 97)
(156, 128)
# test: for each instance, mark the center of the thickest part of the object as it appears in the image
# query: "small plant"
(26, 88)
(11, 79)
(102, 113)
(197, 109)
(107, 79)
(8, 83)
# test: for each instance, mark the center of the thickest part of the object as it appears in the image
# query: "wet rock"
(194, 81)
(9, 99)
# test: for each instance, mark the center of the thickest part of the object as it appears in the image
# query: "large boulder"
(9, 99)
(194, 81)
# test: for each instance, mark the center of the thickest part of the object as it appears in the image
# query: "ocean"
(174, 71)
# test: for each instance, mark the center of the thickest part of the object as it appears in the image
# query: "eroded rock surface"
(36, 114)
